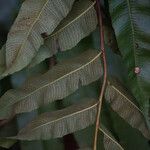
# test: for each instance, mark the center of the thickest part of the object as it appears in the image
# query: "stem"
(99, 17)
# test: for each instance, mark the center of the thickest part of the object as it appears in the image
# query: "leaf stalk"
(102, 46)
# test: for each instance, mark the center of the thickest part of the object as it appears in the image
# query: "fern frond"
(122, 103)
(81, 20)
(43, 53)
(79, 23)
(59, 123)
(109, 141)
(24, 38)
(131, 22)
(57, 83)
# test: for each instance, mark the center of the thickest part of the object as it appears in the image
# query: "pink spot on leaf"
(137, 70)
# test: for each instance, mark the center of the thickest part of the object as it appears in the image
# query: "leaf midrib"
(126, 98)
(133, 44)
(60, 30)
(132, 28)
(29, 31)
(111, 138)
(59, 78)
(61, 118)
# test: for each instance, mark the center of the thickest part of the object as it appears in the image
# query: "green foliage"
(131, 21)
(59, 91)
